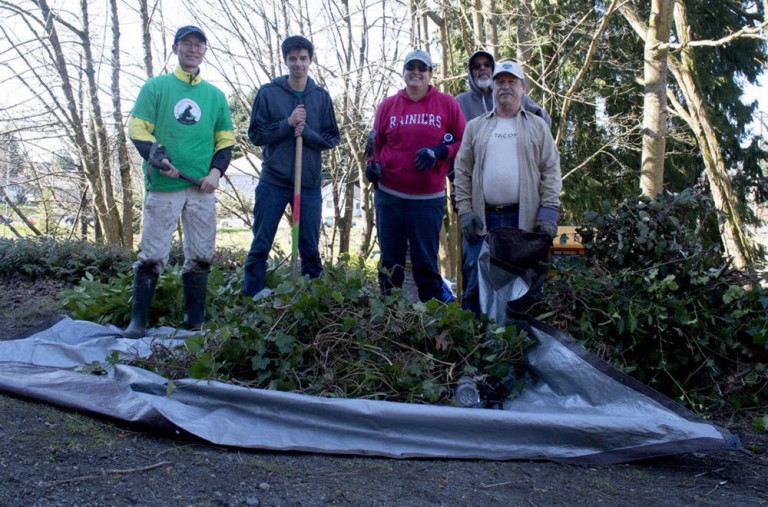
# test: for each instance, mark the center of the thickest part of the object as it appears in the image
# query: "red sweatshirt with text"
(403, 127)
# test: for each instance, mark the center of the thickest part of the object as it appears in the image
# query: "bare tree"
(121, 141)
(53, 43)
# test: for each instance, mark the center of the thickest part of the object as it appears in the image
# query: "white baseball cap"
(420, 55)
(509, 67)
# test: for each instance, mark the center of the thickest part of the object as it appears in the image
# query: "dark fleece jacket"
(269, 128)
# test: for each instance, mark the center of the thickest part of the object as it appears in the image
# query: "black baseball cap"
(186, 30)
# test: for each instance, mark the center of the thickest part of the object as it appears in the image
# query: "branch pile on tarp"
(337, 336)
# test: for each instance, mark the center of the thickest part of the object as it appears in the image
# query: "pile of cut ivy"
(335, 336)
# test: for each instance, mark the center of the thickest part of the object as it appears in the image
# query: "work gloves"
(372, 168)
(373, 173)
(546, 221)
(548, 227)
(156, 157)
(426, 158)
(470, 223)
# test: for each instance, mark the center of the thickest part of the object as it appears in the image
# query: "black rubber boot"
(195, 286)
(143, 289)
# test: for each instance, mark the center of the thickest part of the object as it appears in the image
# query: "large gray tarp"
(579, 409)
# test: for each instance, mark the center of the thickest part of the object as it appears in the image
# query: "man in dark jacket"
(289, 107)
(479, 100)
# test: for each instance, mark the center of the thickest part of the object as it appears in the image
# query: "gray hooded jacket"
(476, 102)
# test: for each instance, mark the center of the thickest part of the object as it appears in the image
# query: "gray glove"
(470, 223)
(547, 227)
(156, 156)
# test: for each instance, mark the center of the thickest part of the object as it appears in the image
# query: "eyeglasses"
(189, 44)
(421, 67)
(487, 64)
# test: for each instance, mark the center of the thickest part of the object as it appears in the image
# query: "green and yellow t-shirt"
(189, 117)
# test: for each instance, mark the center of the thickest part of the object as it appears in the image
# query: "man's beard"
(483, 82)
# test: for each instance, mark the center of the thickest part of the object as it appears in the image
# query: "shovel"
(296, 206)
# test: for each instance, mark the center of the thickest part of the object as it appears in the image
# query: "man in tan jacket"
(507, 172)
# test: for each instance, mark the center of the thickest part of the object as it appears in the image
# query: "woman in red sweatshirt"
(418, 132)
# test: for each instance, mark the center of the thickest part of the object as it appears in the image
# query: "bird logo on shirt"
(187, 112)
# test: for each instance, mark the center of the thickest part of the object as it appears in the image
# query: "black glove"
(426, 158)
(547, 227)
(369, 145)
(156, 156)
(469, 225)
(373, 173)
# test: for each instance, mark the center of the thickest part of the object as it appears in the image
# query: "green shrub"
(64, 260)
(654, 296)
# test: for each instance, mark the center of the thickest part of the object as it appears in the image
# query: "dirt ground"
(49, 456)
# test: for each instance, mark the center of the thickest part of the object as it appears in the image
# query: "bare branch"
(751, 32)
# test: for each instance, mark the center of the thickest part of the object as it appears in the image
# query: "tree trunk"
(413, 10)
(655, 99)
(695, 115)
(524, 35)
(146, 40)
(103, 197)
(477, 21)
(735, 242)
(366, 191)
(121, 140)
(490, 28)
(86, 152)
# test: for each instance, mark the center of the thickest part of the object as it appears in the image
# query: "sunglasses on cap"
(487, 64)
(420, 66)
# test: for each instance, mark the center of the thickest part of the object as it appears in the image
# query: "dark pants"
(268, 209)
(415, 223)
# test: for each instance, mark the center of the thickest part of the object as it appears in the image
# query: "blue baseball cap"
(186, 30)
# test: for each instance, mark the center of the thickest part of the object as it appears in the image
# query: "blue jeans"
(470, 297)
(494, 219)
(401, 223)
(268, 209)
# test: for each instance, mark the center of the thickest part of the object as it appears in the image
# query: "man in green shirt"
(180, 124)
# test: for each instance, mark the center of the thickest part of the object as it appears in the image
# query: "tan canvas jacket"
(539, 162)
